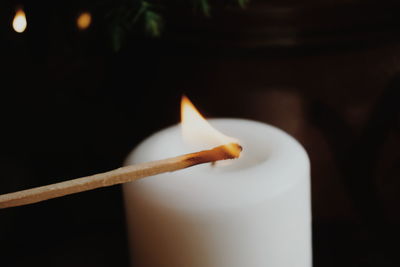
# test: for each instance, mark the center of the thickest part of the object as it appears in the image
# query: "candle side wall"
(273, 233)
(263, 227)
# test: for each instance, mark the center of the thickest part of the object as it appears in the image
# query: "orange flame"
(84, 20)
(19, 22)
(196, 131)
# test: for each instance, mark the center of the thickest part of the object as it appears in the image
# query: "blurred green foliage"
(125, 16)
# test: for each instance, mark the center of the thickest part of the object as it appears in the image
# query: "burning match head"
(231, 150)
(224, 152)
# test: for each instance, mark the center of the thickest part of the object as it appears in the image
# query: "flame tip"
(185, 100)
(19, 23)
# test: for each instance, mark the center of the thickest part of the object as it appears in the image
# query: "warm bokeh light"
(84, 20)
(198, 132)
(19, 22)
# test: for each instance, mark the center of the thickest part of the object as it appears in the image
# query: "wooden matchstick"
(117, 176)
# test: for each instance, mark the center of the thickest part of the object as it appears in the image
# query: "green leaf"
(144, 6)
(153, 23)
(125, 14)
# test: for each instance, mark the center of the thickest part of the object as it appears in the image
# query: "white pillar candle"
(250, 212)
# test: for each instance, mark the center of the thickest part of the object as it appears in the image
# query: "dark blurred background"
(326, 71)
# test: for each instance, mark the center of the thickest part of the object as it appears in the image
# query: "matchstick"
(117, 176)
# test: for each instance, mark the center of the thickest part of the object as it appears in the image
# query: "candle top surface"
(271, 161)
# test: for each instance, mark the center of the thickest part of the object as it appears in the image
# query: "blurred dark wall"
(327, 73)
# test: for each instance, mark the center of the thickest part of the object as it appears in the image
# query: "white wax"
(250, 212)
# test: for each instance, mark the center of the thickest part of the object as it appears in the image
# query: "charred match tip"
(229, 151)
(224, 152)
